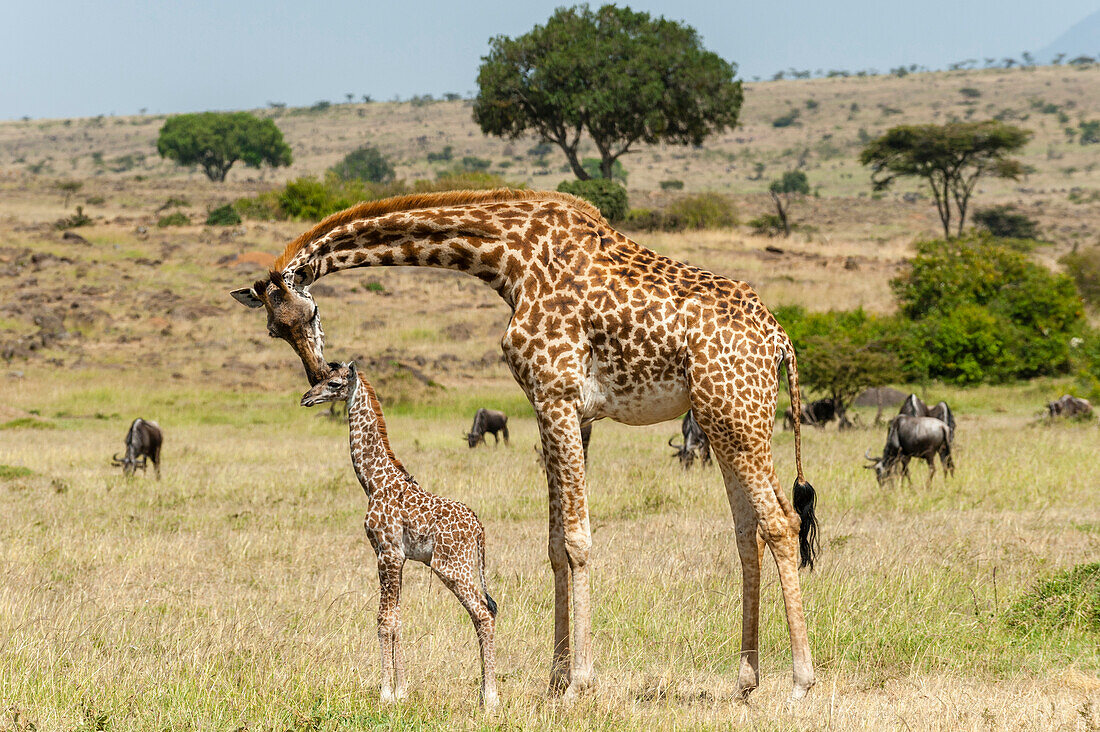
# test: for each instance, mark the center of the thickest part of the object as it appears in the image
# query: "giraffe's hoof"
(800, 691)
(387, 697)
(490, 701)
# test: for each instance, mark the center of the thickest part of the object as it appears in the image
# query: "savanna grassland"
(239, 591)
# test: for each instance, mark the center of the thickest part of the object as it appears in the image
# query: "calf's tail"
(489, 601)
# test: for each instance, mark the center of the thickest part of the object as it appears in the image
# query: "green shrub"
(1084, 268)
(701, 211)
(786, 120)
(77, 219)
(606, 195)
(983, 311)
(767, 225)
(672, 185)
(365, 163)
(223, 216)
(644, 219)
(311, 199)
(474, 164)
(176, 218)
(263, 207)
(1006, 221)
(442, 156)
(462, 180)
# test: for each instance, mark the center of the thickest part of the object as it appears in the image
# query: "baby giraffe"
(406, 522)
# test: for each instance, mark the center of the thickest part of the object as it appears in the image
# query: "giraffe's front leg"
(559, 563)
(570, 535)
(390, 564)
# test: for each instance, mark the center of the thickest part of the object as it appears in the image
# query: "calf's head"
(336, 387)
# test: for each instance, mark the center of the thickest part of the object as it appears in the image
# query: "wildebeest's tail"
(803, 496)
(489, 601)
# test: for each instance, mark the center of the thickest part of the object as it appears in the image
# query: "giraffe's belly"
(641, 402)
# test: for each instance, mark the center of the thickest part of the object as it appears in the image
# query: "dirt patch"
(252, 260)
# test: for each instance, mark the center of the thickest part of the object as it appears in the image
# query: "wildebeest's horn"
(868, 456)
(674, 447)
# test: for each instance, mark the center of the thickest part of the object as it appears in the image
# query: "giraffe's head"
(291, 315)
(338, 386)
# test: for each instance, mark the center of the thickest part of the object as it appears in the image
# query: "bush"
(461, 181)
(767, 225)
(1069, 599)
(701, 211)
(365, 163)
(176, 218)
(77, 219)
(442, 156)
(1084, 268)
(644, 219)
(786, 120)
(223, 216)
(474, 164)
(1006, 221)
(672, 185)
(983, 311)
(606, 195)
(311, 199)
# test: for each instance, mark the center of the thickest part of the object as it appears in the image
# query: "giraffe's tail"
(489, 601)
(803, 496)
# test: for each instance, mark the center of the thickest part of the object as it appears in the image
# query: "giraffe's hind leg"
(460, 571)
(750, 548)
(734, 403)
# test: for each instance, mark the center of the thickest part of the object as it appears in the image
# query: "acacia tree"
(842, 368)
(216, 140)
(620, 76)
(793, 183)
(950, 157)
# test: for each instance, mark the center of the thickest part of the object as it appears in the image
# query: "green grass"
(7, 472)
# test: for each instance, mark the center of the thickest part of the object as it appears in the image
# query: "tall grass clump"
(1068, 600)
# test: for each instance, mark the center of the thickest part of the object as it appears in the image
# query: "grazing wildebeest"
(142, 441)
(913, 437)
(695, 442)
(817, 413)
(1069, 406)
(487, 420)
(914, 407)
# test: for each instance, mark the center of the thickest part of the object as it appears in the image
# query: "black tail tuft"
(492, 604)
(804, 498)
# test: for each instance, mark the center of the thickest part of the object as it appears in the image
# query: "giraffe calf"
(406, 522)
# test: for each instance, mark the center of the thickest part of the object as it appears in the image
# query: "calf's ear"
(247, 296)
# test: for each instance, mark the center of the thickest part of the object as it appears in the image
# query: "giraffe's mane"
(376, 407)
(417, 201)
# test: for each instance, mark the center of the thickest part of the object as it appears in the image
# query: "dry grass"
(240, 589)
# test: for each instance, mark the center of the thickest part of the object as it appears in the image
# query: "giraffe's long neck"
(500, 242)
(375, 465)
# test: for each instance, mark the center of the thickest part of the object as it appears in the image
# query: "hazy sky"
(67, 58)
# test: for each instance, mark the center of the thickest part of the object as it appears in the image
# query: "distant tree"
(793, 183)
(367, 99)
(841, 367)
(1006, 222)
(592, 167)
(620, 76)
(69, 187)
(216, 140)
(365, 163)
(349, 96)
(1057, 60)
(1028, 59)
(950, 157)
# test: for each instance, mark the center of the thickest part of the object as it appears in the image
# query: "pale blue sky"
(62, 58)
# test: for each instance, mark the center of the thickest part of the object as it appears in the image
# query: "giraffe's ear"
(247, 296)
(303, 276)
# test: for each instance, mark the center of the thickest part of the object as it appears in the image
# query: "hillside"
(139, 296)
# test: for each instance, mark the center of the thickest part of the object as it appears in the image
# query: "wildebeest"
(817, 413)
(695, 442)
(914, 407)
(487, 420)
(1069, 406)
(913, 437)
(142, 442)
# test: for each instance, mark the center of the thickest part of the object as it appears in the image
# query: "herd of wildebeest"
(917, 431)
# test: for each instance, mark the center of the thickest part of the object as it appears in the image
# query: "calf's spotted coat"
(406, 522)
(600, 327)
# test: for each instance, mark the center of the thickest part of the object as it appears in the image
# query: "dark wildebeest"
(1069, 406)
(142, 441)
(695, 441)
(913, 437)
(487, 420)
(817, 413)
(914, 407)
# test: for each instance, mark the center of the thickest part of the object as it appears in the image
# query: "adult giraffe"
(600, 327)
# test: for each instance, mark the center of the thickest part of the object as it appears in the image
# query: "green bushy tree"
(365, 163)
(216, 140)
(621, 77)
(793, 183)
(981, 310)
